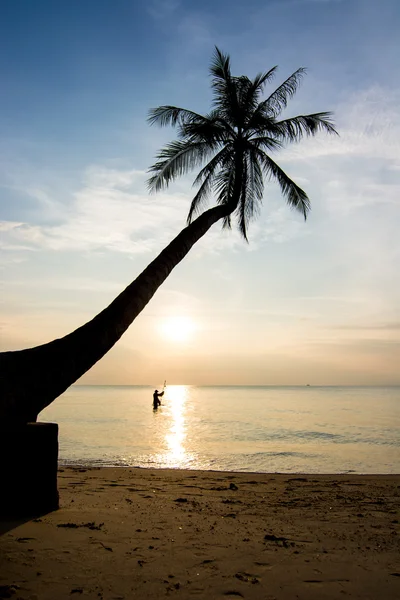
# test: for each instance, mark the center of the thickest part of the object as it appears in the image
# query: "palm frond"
(200, 198)
(224, 183)
(224, 87)
(261, 79)
(206, 179)
(259, 122)
(295, 128)
(295, 196)
(217, 117)
(203, 130)
(176, 159)
(254, 89)
(278, 100)
(244, 106)
(246, 199)
(171, 115)
(256, 177)
(252, 192)
(221, 159)
(227, 222)
(265, 142)
(220, 67)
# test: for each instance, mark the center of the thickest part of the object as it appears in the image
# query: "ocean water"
(259, 429)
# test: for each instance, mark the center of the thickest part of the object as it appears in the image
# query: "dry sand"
(138, 533)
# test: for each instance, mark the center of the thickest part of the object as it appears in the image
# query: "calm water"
(264, 429)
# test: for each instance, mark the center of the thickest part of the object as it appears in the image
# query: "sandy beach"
(138, 533)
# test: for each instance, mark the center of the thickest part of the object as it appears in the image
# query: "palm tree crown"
(235, 138)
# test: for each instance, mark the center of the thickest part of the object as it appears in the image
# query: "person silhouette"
(156, 399)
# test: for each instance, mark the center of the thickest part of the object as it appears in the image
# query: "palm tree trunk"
(32, 378)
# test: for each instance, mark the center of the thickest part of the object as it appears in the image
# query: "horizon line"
(312, 385)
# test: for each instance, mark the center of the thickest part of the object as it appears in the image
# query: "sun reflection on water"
(176, 397)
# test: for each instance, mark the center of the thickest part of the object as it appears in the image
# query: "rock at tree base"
(28, 469)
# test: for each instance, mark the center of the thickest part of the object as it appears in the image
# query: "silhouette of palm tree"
(236, 138)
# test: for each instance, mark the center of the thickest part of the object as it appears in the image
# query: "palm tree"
(236, 138)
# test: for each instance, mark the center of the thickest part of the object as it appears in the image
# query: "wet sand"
(138, 533)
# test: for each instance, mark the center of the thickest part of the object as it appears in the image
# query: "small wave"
(320, 435)
(258, 455)
(287, 435)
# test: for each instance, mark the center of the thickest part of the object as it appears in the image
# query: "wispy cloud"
(112, 212)
(368, 122)
(106, 213)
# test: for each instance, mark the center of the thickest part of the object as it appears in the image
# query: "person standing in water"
(156, 399)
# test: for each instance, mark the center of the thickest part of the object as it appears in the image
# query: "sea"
(261, 429)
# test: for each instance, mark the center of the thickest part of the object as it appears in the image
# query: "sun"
(178, 329)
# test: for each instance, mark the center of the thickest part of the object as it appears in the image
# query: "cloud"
(112, 212)
(102, 177)
(6, 226)
(368, 122)
(106, 213)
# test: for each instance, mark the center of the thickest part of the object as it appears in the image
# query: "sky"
(313, 302)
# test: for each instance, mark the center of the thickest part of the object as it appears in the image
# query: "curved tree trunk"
(31, 379)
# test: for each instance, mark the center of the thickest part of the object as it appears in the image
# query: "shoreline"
(77, 466)
(125, 532)
(349, 473)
